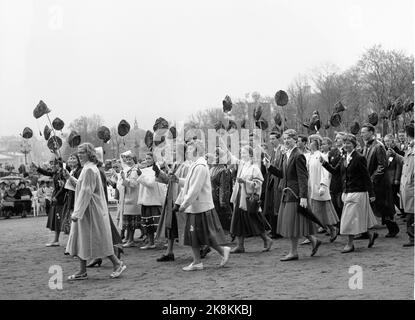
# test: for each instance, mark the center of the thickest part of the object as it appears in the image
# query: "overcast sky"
(145, 59)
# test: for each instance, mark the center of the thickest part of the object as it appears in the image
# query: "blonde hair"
(90, 151)
(291, 133)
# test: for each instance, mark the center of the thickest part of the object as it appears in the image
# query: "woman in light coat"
(90, 235)
(319, 187)
(249, 180)
(195, 200)
(151, 196)
(129, 211)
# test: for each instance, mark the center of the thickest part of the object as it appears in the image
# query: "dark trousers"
(409, 226)
(336, 199)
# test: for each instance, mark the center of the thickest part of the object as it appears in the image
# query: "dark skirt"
(131, 222)
(173, 232)
(246, 224)
(224, 214)
(150, 216)
(67, 212)
(292, 224)
(116, 237)
(203, 229)
(55, 218)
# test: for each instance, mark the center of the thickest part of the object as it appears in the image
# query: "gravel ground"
(388, 270)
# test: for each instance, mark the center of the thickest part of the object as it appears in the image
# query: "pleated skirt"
(324, 211)
(203, 229)
(55, 218)
(357, 216)
(150, 216)
(292, 224)
(244, 224)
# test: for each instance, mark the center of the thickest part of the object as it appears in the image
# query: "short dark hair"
(303, 138)
(369, 127)
(351, 138)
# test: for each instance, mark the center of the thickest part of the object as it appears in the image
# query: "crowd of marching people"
(301, 186)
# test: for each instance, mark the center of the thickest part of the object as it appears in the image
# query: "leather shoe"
(372, 239)
(391, 235)
(348, 250)
(289, 258)
(363, 236)
(315, 248)
(166, 257)
(238, 250)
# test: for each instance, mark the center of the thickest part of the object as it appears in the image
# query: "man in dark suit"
(394, 169)
(402, 142)
(375, 154)
(334, 156)
(272, 189)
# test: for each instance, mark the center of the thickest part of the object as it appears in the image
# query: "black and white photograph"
(218, 152)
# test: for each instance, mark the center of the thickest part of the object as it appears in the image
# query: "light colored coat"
(151, 192)
(253, 177)
(128, 190)
(196, 194)
(407, 181)
(317, 176)
(90, 236)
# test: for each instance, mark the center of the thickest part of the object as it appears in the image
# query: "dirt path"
(388, 271)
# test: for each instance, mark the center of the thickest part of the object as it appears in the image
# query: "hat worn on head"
(227, 104)
(27, 133)
(281, 98)
(123, 128)
(40, 110)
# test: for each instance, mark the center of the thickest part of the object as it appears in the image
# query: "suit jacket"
(394, 170)
(293, 172)
(407, 181)
(273, 190)
(335, 156)
(377, 163)
(354, 176)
